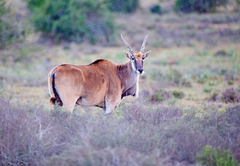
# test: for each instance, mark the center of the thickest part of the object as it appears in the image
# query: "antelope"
(102, 83)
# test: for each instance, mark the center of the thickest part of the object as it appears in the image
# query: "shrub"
(156, 9)
(129, 6)
(201, 6)
(176, 78)
(207, 90)
(178, 94)
(172, 77)
(222, 53)
(9, 29)
(143, 134)
(216, 156)
(160, 95)
(214, 97)
(230, 96)
(31, 4)
(73, 20)
(238, 4)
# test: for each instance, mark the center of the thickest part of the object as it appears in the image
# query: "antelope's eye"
(132, 58)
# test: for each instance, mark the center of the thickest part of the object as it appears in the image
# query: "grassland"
(189, 94)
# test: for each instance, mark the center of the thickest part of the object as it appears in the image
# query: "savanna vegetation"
(188, 110)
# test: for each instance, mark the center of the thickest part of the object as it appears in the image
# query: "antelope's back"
(90, 82)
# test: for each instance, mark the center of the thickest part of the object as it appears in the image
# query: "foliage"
(73, 20)
(201, 6)
(178, 94)
(230, 96)
(31, 4)
(238, 4)
(173, 77)
(163, 95)
(160, 95)
(216, 157)
(148, 134)
(214, 97)
(176, 78)
(223, 53)
(156, 9)
(129, 6)
(207, 89)
(9, 29)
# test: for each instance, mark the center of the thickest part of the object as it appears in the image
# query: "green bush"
(160, 96)
(123, 6)
(9, 29)
(178, 94)
(156, 9)
(238, 4)
(31, 4)
(216, 157)
(73, 20)
(201, 6)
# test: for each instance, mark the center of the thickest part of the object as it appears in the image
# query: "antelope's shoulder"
(103, 65)
(100, 62)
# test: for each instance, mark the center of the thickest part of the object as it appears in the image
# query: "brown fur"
(101, 83)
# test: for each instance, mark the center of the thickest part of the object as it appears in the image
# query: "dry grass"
(139, 134)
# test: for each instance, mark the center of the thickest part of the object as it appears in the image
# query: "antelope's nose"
(140, 71)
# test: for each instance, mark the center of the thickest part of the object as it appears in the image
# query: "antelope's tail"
(55, 99)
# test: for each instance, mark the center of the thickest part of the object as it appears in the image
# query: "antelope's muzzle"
(140, 71)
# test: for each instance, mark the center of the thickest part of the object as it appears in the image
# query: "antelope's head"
(136, 58)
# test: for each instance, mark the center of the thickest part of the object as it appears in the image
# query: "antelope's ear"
(146, 54)
(128, 55)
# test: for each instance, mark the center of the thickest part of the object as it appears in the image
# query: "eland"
(101, 83)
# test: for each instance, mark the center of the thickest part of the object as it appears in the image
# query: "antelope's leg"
(109, 108)
(69, 102)
(111, 104)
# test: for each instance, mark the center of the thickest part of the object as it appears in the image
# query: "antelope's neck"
(127, 75)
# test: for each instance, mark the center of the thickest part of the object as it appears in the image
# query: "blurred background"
(188, 109)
